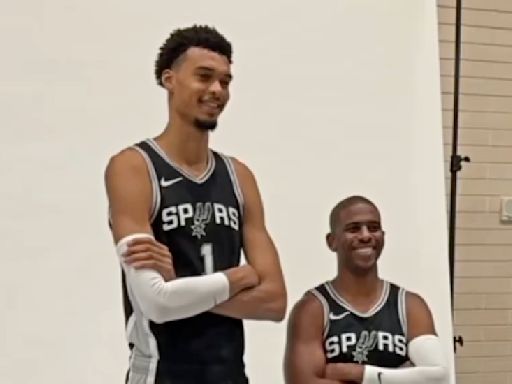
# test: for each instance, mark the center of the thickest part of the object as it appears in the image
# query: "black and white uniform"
(200, 221)
(377, 337)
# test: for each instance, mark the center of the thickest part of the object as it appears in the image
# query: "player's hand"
(148, 253)
(407, 364)
(347, 372)
(241, 277)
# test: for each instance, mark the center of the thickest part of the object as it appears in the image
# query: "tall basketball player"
(180, 214)
(359, 328)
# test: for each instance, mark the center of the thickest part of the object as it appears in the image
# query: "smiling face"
(357, 238)
(199, 87)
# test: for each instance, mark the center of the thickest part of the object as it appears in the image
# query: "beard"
(205, 125)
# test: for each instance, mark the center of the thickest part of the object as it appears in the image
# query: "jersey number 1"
(207, 255)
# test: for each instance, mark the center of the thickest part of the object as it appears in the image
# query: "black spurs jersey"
(200, 221)
(377, 337)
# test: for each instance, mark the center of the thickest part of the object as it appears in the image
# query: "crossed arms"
(305, 361)
(253, 291)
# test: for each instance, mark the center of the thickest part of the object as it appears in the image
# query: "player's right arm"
(304, 361)
(129, 194)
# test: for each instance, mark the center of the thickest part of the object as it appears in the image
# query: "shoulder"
(247, 181)
(415, 302)
(420, 319)
(306, 318)
(308, 308)
(128, 159)
(126, 168)
(242, 170)
(304, 336)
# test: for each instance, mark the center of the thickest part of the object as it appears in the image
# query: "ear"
(330, 239)
(167, 78)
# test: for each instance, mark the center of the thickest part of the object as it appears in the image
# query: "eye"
(374, 227)
(224, 83)
(354, 228)
(204, 77)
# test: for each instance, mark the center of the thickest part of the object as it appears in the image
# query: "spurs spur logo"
(202, 217)
(365, 344)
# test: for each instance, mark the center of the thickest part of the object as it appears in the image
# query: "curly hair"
(180, 40)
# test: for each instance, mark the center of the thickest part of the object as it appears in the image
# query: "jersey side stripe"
(325, 306)
(402, 310)
(154, 183)
(234, 181)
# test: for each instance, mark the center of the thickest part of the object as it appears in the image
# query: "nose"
(215, 87)
(364, 234)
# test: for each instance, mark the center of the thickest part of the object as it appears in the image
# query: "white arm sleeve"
(426, 354)
(162, 301)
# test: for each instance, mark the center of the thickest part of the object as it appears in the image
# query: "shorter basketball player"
(359, 328)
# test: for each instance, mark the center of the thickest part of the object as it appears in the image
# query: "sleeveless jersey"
(200, 221)
(377, 337)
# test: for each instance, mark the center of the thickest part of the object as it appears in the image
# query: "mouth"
(210, 106)
(364, 252)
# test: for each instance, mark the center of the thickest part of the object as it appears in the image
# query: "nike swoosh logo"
(168, 183)
(332, 316)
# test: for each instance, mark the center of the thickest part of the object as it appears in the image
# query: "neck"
(184, 143)
(355, 286)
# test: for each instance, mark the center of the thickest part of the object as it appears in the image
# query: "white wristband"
(371, 375)
(414, 375)
(162, 301)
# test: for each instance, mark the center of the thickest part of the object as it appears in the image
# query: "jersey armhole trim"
(155, 206)
(402, 310)
(325, 307)
(234, 181)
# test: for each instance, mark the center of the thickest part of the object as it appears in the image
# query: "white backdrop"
(329, 99)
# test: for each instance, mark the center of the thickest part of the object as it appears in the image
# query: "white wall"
(327, 101)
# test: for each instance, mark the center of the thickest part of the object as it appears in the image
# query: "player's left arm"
(268, 300)
(424, 348)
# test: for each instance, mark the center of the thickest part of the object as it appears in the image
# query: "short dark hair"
(345, 203)
(181, 39)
